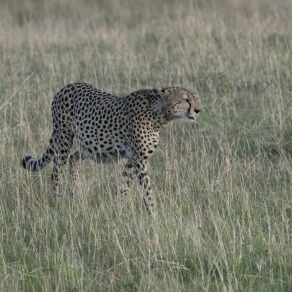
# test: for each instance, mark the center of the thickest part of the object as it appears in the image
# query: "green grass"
(223, 185)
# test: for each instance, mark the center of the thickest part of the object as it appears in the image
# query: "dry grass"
(223, 185)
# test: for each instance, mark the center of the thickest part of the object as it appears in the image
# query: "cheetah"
(108, 128)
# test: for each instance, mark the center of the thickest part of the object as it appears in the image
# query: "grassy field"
(223, 184)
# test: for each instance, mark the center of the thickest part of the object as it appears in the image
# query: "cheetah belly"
(108, 154)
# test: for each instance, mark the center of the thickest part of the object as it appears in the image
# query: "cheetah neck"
(160, 120)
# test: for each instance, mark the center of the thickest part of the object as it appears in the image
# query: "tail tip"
(24, 161)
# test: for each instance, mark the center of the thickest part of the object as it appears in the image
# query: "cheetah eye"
(185, 97)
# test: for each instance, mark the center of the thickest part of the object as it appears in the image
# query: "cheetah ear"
(161, 90)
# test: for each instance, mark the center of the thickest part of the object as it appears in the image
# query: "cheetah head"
(178, 102)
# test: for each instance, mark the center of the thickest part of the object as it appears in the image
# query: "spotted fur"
(108, 128)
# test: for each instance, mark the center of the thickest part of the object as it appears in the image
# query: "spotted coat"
(108, 128)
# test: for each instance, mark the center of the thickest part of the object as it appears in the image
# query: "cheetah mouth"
(191, 118)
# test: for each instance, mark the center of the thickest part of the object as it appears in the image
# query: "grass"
(223, 185)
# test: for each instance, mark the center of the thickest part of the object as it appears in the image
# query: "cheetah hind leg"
(74, 161)
(60, 158)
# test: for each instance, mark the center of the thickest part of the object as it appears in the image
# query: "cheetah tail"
(35, 165)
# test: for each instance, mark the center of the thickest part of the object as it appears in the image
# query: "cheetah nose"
(197, 111)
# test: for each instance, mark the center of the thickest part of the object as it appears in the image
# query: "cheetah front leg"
(127, 180)
(128, 176)
(144, 181)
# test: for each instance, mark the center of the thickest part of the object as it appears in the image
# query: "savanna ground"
(223, 184)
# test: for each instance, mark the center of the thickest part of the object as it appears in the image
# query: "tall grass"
(223, 185)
